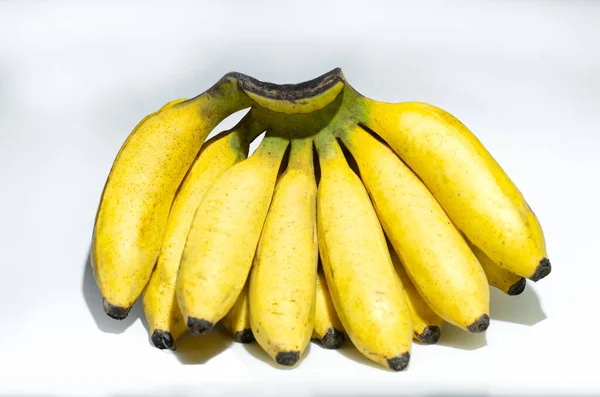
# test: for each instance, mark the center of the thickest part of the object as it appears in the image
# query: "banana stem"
(344, 111)
(328, 148)
(349, 112)
(271, 147)
(301, 155)
(357, 104)
(369, 111)
(304, 97)
(251, 126)
(220, 101)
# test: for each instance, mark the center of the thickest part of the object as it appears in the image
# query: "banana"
(216, 156)
(498, 277)
(134, 208)
(467, 181)
(365, 290)
(283, 280)
(427, 325)
(237, 319)
(433, 252)
(328, 328)
(224, 235)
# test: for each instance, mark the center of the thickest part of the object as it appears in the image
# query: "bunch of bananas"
(353, 217)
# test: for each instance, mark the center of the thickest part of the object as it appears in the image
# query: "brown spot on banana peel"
(543, 269)
(115, 312)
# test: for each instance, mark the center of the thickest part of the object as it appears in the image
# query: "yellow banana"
(134, 207)
(328, 328)
(224, 235)
(365, 289)
(427, 325)
(217, 155)
(283, 280)
(237, 319)
(433, 252)
(467, 181)
(498, 277)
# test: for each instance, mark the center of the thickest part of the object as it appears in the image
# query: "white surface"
(75, 78)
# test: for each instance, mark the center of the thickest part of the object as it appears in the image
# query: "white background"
(76, 77)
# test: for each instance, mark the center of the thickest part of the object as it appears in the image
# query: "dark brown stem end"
(289, 92)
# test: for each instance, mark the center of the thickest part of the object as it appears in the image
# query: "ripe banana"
(134, 207)
(433, 252)
(365, 289)
(427, 325)
(237, 319)
(497, 276)
(467, 181)
(283, 280)
(224, 235)
(328, 327)
(216, 156)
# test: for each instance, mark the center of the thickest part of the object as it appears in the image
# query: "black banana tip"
(333, 339)
(430, 335)
(480, 325)
(518, 287)
(116, 312)
(198, 326)
(544, 268)
(244, 336)
(287, 358)
(399, 362)
(162, 339)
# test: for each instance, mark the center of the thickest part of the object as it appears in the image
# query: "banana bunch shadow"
(524, 309)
